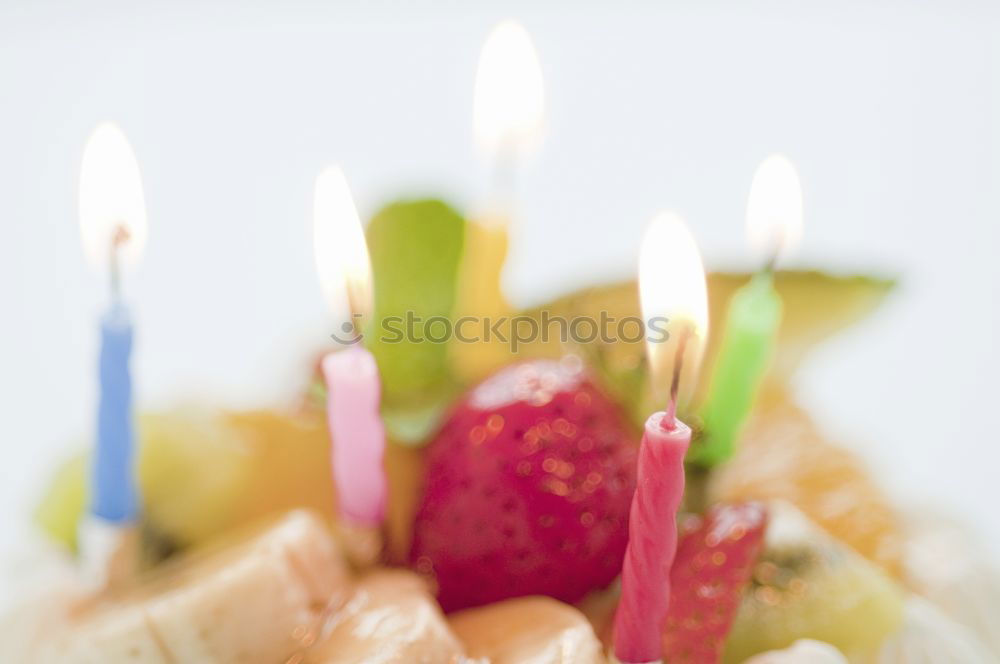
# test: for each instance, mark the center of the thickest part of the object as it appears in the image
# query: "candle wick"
(118, 239)
(669, 421)
(779, 242)
(353, 298)
(504, 177)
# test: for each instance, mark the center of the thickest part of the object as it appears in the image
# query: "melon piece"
(783, 456)
(816, 306)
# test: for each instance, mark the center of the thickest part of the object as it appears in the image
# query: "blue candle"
(113, 492)
(113, 229)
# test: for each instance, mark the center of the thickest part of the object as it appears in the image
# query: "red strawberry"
(528, 489)
(714, 563)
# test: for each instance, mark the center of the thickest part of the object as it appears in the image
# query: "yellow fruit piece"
(58, 513)
(783, 456)
(806, 585)
(203, 473)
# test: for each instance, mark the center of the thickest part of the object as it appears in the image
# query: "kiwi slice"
(807, 585)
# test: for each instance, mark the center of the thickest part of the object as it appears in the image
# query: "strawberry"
(714, 563)
(528, 487)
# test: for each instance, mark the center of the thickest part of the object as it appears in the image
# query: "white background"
(889, 109)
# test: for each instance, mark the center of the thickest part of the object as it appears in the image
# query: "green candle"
(774, 223)
(748, 340)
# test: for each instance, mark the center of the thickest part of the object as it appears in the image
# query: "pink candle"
(652, 540)
(353, 392)
(672, 286)
(352, 380)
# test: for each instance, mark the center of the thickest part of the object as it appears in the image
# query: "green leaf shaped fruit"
(415, 249)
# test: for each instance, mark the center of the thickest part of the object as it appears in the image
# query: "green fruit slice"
(807, 585)
(415, 249)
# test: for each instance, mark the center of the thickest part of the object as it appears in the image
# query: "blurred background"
(889, 110)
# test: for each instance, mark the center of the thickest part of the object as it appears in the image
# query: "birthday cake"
(507, 525)
(467, 482)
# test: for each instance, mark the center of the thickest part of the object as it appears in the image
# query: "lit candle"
(774, 224)
(672, 285)
(113, 228)
(352, 379)
(508, 112)
(508, 106)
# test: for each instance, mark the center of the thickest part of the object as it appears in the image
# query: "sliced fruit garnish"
(203, 473)
(806, 584)
(415, 249)
(527, 491)
(714, 563)
(784, 456)
(58, 512)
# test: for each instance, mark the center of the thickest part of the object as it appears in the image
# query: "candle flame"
(509, 97)
(774, 209)
(672, 287)
(339, 246)
(112, 206)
